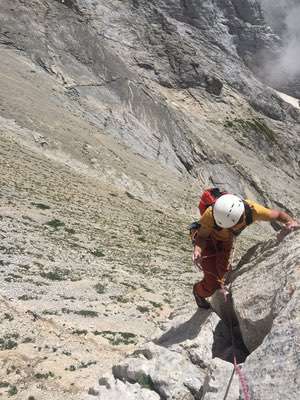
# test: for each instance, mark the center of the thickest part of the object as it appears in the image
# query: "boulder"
(178, 364)
(169, 373)
(114, 389)
(221, 380)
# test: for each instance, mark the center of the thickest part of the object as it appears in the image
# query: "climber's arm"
(284, 218)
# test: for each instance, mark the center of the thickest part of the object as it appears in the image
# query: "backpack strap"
(216, 192)
(248, 213)
(193, 228)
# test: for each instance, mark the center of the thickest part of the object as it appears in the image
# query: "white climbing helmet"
(228, 210)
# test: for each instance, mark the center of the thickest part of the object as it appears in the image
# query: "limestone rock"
(221, 380)
(265, 285)
(180, 363)
(159, 87)
(272, 369)
(114, 389)
(266, 297)
(171, 374)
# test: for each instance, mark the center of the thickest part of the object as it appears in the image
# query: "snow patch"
(289, 99)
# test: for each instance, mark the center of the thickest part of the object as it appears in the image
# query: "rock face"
(267, 303)
(275, 264)
(180, 363)
(123, 61)
(170, 79)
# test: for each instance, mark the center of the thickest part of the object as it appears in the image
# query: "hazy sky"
(284, 17)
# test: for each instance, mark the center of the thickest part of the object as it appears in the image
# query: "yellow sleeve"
(259, 212)
(207, 223)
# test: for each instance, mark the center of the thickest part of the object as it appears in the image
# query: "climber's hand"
(197, 256)
(288, 227)
(292, 225)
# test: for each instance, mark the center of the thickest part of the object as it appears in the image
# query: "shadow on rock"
(229, 344)
(186, 331)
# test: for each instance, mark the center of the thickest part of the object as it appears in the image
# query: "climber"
(221, 221)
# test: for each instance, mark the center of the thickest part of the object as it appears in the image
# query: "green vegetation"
(70, 230)
(41, 206)
(100, 289)
(97, 253)
(138, 230)
(50, 312)
(55, 223)
(7, 342)
(156, 305)
(12, 277)
(66, 311)
(67, 297)
(56, 275)
(228, 124)
(12, 390)
(116, 338)
(84, 313)
(146, 382)
(80, 365)
(79, 332)
(28, 340)
(24, 266)
(71, 368)
(8, 316)
(142, 309)
(26, 297)
(44, 376)
(147, 288)
(255, 124)
(87, 364)
(122, 299)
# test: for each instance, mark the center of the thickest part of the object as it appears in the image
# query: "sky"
(284, 17)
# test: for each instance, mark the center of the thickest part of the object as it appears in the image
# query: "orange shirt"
(259, 213)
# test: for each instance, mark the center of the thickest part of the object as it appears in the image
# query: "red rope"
(242, 379)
